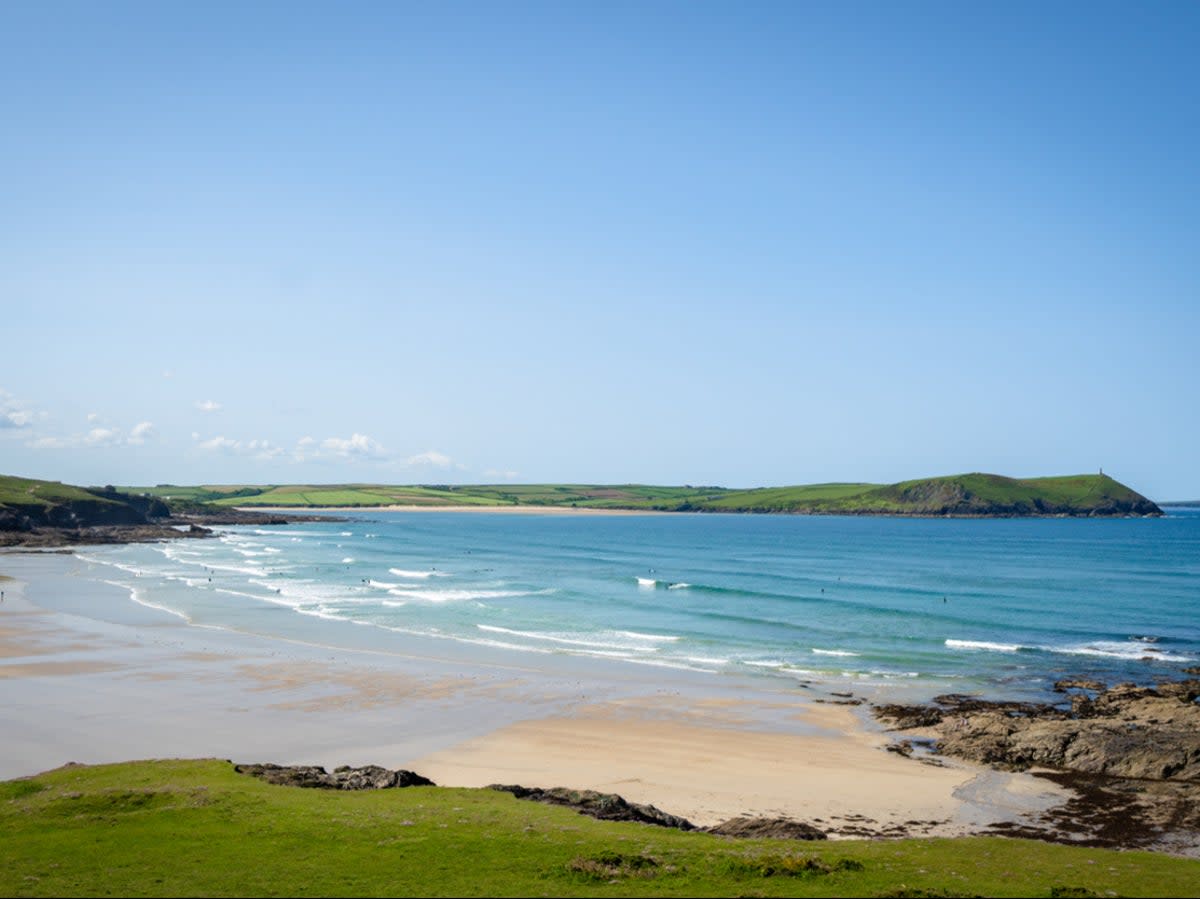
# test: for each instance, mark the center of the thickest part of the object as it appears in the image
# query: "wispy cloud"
(356, 446)
(141, 432)
(208, 405)
(497, 473)
(13, 413)
(96, 437)
(256, 448)
(431, 459)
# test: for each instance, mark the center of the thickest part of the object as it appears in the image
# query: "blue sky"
(732, 244)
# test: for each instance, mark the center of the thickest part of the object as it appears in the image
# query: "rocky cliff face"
(106, 509)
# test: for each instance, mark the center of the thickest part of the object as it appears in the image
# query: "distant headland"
(52, 512)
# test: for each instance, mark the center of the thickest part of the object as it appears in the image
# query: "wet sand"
(112, 680)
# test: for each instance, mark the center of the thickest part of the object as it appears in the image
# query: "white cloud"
(96, 437)
(102, 437)
(13, 413)
(497, 473)
(219, 443)
(93, 417)
(430, 458)
(256, 448)
(357, 446)
(51, 443)
(208, 406)
(140, 432)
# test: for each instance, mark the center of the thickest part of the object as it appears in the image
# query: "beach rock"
(368, 777)
(603, 806)
(768, 828)
(1126, 731)
(1075, 683)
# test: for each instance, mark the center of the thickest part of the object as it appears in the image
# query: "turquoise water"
(1000, 605)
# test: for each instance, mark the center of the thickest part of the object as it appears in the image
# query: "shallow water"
(999, 605)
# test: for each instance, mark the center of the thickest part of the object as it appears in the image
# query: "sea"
(1000, 607)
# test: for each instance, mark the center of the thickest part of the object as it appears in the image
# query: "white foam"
(381, 585)
(566, 639)
(403, 572)
(322, 612)
(347, 560)
(138, 596)
(705, 660)
(665, 663)
(657, 638)
(1136, 651)
(834, 652)
(680, 586)
(265, 533)
(646, 582)
(983, 645)
(239, 569)
(459, 595)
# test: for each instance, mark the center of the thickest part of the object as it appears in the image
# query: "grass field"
(967, 494)
(29, 492)
(169, 828)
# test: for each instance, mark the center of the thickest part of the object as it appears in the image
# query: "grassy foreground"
(167, 828)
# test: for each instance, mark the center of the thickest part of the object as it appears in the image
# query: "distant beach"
(499, 510)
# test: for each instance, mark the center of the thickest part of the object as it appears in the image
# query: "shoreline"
(510, 510)
(93, 677)
(588, 510)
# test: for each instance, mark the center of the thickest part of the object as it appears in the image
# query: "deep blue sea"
(1004, 605)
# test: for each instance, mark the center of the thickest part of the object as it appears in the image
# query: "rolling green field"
(170, 828)
(966, 494)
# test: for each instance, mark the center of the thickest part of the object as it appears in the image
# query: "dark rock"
(1123, 731)
(768, 828)
(1074, 683)
(603, 806)
(907, 717)
(368, 777)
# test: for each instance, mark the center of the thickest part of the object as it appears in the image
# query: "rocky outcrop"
(1122, 731)
(1130, 754)
(603, 806)
(368, 777)
(767, 828)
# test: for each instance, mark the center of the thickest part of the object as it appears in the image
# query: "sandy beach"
(500, 510)
(92, 677)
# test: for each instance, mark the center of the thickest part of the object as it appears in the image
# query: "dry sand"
(502, 510)
(135, 683)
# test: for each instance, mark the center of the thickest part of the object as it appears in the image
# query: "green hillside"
(197, 828)
(26, 503)
(966, 495)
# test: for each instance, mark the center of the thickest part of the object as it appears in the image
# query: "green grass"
(28, 492)
(965, 494)
(169, 828)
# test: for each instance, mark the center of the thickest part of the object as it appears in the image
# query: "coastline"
(507, 510)
(93, 677)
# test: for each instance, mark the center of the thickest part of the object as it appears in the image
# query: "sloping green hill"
(972, 494)
(27, 503)
(966, 495)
